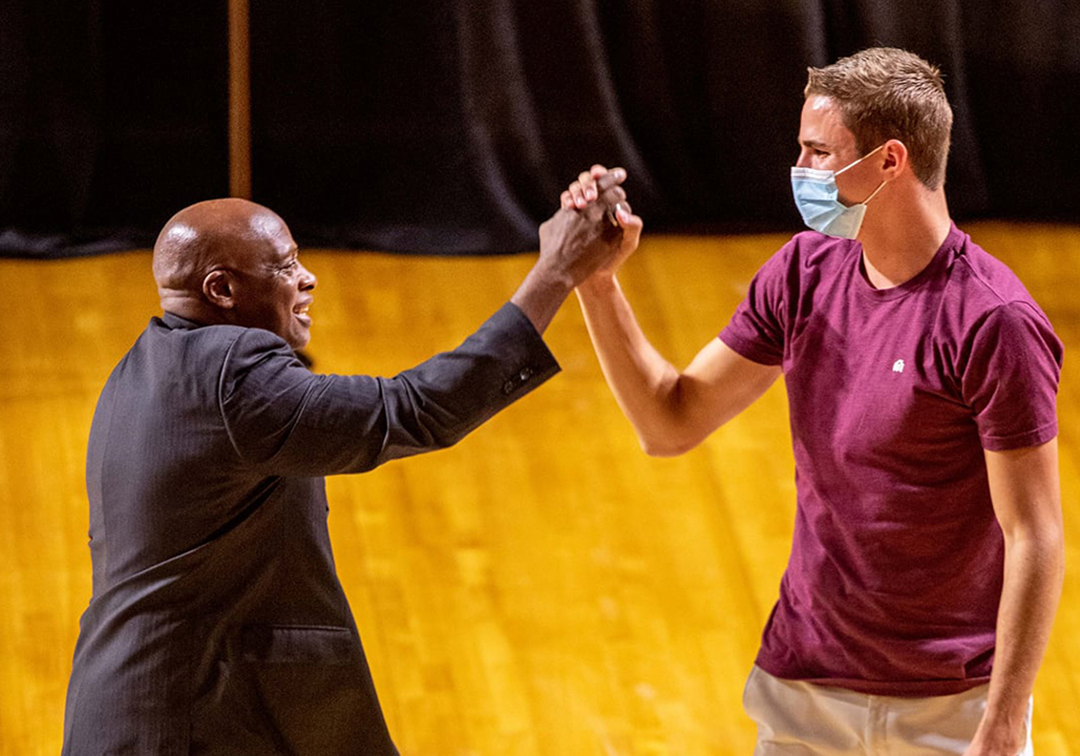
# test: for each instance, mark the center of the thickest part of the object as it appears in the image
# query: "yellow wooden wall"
(542, 588)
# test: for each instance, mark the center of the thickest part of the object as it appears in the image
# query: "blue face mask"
(816, 196)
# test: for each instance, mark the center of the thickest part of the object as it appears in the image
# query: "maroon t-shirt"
(895, 573)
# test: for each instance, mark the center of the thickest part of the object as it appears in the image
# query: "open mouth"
(301, 313)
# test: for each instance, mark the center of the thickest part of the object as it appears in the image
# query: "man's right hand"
(575, 243)
(587, 192)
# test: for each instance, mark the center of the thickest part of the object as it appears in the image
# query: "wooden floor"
(543, 588)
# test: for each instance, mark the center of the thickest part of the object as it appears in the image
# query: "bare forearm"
(1034, 572)
(541, 294)
(574, 244)
(643, 382)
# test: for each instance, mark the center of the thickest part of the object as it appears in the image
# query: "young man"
(217, 623)
(927, 558)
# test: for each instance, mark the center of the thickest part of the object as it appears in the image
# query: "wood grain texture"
(541, 588)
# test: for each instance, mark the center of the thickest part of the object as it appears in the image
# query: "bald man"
(217, 623)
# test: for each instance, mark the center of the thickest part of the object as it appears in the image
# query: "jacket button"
(526, 374)
(508, 387)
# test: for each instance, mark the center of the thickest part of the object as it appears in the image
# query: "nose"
(804, 159)
(307, 279)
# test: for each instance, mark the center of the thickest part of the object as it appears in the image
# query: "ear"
(217, 287)
(894, 158)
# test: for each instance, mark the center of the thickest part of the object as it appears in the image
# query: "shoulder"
(248, 352)
(989, 304)
(811, 249)
(1016, 326)
(213, 351)
(985, 281)
(809, 255)
(189, 336)
(808, 265)
(983, 295)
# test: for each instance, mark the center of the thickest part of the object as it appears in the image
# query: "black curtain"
(112, 117)
(451, 126)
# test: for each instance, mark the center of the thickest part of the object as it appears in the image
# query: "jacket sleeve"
(286, 420)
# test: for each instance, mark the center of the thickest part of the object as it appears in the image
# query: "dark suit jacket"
(217, 623)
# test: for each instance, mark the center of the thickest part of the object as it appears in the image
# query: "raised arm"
(287, 421)
(573, 244)
(284, 420)
(1026, 493)
(671, 411)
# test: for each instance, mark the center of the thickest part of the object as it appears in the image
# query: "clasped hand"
(594, 230)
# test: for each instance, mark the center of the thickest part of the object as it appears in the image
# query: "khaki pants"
(800, 718)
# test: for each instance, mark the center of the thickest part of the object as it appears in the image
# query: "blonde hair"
(884, 93)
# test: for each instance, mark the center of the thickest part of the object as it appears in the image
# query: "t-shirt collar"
(940, 261)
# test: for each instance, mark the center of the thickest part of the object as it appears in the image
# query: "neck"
(189, 306)
(901, 235)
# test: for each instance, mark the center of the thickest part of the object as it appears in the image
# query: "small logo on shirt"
(898, 366)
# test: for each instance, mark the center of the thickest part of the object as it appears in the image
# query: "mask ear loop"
(874, 193)
(864, 157)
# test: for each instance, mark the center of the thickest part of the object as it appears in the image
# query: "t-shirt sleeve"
(1011, 377)
(756, 330)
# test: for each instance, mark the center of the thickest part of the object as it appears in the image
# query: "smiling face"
(233, 261)
(271, 288)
